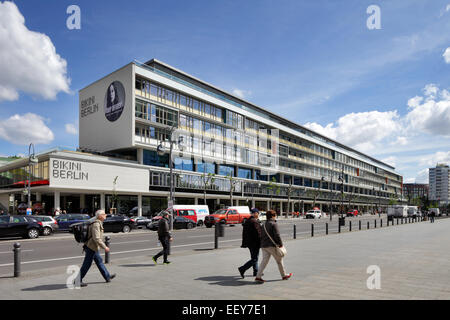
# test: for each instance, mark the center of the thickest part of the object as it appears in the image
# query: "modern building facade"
(439, 179)
(225, 149)
(415, 190)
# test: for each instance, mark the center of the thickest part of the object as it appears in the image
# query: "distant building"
(415, 190)
(439, 179)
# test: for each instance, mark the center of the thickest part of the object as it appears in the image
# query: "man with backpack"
(92, 249)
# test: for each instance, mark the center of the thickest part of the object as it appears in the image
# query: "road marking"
(120, 252)
(131, 242)
(13, 251)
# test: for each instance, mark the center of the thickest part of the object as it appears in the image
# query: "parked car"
(65, 220)
(352, 213)
(141, 222)
(230, 215)
(49, 224)
(313, 214)
(22, 226)
(179, 223)
(262, 216)
(118, 223)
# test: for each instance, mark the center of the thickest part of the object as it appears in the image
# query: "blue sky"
(314, 62)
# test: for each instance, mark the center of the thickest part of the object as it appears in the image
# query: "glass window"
(244, 173)
(225, 170)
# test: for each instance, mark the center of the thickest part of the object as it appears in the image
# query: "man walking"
(251, 239)
(92, 249)
(432, 215)
(164, 237)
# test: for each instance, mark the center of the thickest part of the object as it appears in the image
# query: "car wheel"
(208, 225)
(189, 225)
(200, 223)
(33, 233)
(126, 229)
(47, 231)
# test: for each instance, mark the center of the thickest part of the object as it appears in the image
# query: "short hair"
(99, 212)
(270, 214)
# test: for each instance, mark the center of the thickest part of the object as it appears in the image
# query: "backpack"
(81, 232)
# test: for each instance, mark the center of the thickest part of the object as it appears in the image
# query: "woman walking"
(271, 245)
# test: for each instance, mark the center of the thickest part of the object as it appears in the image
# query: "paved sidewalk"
(414, 260)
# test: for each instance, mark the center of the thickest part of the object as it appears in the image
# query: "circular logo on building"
(114, 101)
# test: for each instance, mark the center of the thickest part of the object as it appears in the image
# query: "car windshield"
(221, 211)
(311, 211)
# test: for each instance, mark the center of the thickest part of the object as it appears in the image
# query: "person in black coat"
(164, 237)
(251, 239)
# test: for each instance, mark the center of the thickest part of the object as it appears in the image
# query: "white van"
(435, 210)
(412, 211)
(397, 211)
(201, 211)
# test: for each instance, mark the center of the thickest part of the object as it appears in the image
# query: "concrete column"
(140, 156)
(253, 203)
(196, 201)
(57, 200)
(268, 205)
(102, 201)
(38, 197)
(140, 205)
(82, 201)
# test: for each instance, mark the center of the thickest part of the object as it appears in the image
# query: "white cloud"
(432, 114)
(243, 94)
(363, 130)
(28, 59)
(25, 129)
(390, 160)
(446, 55)
(71, 128)
(422, 176)
(438, 157)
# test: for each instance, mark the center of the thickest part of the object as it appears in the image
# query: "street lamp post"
(32, 160)
(161, 151)
(331, 198)
(341, 179)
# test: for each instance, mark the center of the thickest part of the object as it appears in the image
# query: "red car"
(352, 213)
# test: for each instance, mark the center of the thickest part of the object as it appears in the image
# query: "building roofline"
(258, 108)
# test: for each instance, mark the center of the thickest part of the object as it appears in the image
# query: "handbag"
(280, 251)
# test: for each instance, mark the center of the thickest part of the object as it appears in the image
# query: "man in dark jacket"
(251, 239)
(164, 237)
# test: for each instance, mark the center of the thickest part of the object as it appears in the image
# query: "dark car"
(142, 221)
(118, 223)
(179, 223)
(21, 226)
(65, 220)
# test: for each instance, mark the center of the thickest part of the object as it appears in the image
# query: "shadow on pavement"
(206, 249)
(59, 286)
(47, 287)
(137, 265)
(228, 281)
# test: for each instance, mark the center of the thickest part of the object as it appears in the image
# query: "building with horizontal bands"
(439, 179)
(225, 149)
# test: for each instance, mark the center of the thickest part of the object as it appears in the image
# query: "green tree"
(274, 188)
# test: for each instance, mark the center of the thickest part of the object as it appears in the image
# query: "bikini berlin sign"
(96, 176)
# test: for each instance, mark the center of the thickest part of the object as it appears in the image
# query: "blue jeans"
(88, 258)
(253, 262)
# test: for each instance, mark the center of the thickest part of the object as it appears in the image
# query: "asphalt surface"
(60, 249)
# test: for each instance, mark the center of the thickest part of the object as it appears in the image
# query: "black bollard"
(216, 237)
(375, 223)
(107, 243)
(359, 224)
(368, 225)
(339, 228)
(387, 222)
(312, 229)
(326, 228)
(397, 221)
(295, 231)
(349, 226)
(16, 259)
(381, 223)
